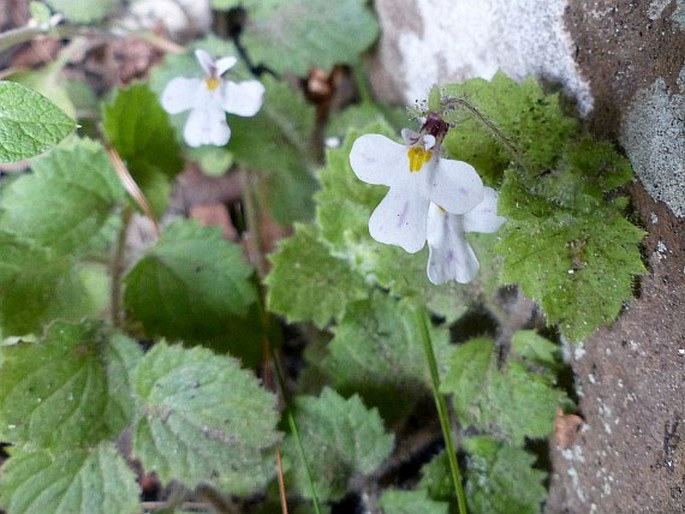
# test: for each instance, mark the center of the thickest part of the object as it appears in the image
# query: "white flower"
(209, 100)
(417, 176)
(450, 257)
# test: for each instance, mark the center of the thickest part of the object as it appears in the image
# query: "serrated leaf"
(83, 11)
(395, 501)
(69, 390)
(296, 35)
(500, 478)
(65, 204)
(580, 268)
(341, 438)
(140, 130)
(527, 118)
(190, 285)
(376, 353)
(535, 348)
(512, 403)
(307, 283)
(96, 480)
(203, 419)
(29, 123)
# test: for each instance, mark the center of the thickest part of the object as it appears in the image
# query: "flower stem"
(494, 130)
(422, 326)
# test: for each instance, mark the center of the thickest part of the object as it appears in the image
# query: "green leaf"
(190, 285)
(500, 478)
(296, 35)
(65, 204)
(277, 142)
(580, 268)
(36, 288)
(375, 353)
(29, 123)
(83, 11)
(512, 403)
(95, 480)
(203, 419)
(140, 130)
(69, 390)
(307, 283)
(527, 118)
(394, 501)
(341, 438)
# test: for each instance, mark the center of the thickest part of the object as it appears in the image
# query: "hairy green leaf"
(203, 418)
(65, 204)
(500, 478)
(342, 439)
(296, 35)
(376, 353)
(29, 123)
(71, 389)
(511, 403)
(395, 501)
(139, 129)
(307, 283)
(95, 480)
(191, 285)
(524, 117)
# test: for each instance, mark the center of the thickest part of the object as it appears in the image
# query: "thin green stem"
(496, 132)
(422, 326)
(117, 268)
(292, 424)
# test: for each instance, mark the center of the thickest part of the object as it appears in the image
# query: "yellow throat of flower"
(417, 158)
(212, 83)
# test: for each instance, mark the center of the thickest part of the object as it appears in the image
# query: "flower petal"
(206, 61)
(224, 64)
(483, 217)
(450, 257)
(244, 98)
(455, 186)
(206, 124)
(400, 219)
(180, 94)
(375, 159)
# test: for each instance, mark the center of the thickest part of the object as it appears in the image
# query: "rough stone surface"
(623, 63)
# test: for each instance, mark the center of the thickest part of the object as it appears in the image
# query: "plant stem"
(117, 268)
(422, 326)
(496, 132)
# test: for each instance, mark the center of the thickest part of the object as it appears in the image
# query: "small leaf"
(83, 11)
(190, 285)
(70, 389)
(65, 204)
(500, 478)
(96, 481)
(395, 501)
(203, 419)
(140, 130)
(307, 283)
(513, 403)
(296, 35)
(341, 438)
(29, 123)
